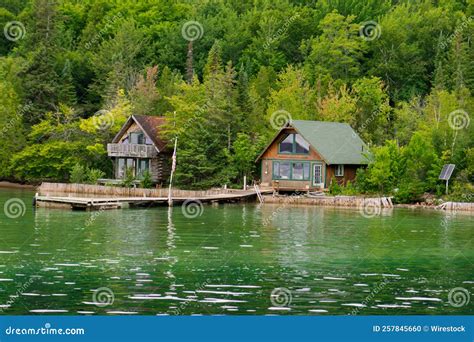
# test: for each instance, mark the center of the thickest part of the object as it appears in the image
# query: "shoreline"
(10, 185)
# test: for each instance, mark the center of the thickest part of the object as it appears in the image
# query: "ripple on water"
(226, 293)
(356, 305)
(237, 286)
(122, 312)
(279, 308)
(159, 297)
(221, 300)
(392, 306)
(428, 299)
(333, 278)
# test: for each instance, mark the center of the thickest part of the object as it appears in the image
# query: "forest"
(227, 74)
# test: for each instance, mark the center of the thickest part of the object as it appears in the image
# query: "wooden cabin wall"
(349, 174)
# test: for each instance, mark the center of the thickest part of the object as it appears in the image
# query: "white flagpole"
(173, 167)
(173, 164)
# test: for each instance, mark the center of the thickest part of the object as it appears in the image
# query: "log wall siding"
(160, 167)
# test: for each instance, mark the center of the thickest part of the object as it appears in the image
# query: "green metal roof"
(336, 142)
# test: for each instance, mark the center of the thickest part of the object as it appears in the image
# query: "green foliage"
(129, 178)
(78, 174)
(93, 175)
(397, 90)
(334, 187)
(146, 181)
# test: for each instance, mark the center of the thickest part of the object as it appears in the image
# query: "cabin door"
(318, 180)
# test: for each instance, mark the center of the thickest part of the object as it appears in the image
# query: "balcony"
(131, 150)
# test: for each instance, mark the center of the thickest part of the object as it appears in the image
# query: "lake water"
(233, 259)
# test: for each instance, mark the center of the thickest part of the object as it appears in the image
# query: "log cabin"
(140, 146)
(308, 155)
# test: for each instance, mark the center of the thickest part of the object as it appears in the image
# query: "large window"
(293, 144)
(137, 166)
(291, 170)
(281, 170)
(143, 165)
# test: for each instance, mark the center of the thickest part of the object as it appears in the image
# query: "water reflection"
(231, 258)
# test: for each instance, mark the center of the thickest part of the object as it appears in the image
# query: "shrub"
(334, 187)
(146, 181)
(409, 192)
(128, 178)
(78, 174)
(93, 175)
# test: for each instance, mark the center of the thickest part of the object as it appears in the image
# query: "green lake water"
(231, 258)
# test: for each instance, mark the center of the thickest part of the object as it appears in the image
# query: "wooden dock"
(79, 202)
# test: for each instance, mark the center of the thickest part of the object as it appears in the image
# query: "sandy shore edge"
(10, 185)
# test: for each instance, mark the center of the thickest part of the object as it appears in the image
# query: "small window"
(137, 138)
(286, 145)
(340, 170)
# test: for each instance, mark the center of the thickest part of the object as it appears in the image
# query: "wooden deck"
(100, 203)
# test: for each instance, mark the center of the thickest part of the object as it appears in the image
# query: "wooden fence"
(86, 190)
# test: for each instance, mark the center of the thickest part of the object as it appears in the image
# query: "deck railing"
(131, 150)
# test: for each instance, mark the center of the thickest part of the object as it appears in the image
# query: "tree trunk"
(189, 63)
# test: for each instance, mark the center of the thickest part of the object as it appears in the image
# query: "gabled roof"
(150, 125)
(336, 142)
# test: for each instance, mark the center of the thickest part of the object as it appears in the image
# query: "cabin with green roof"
(308, 155)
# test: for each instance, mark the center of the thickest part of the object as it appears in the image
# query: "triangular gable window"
(293, 143)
